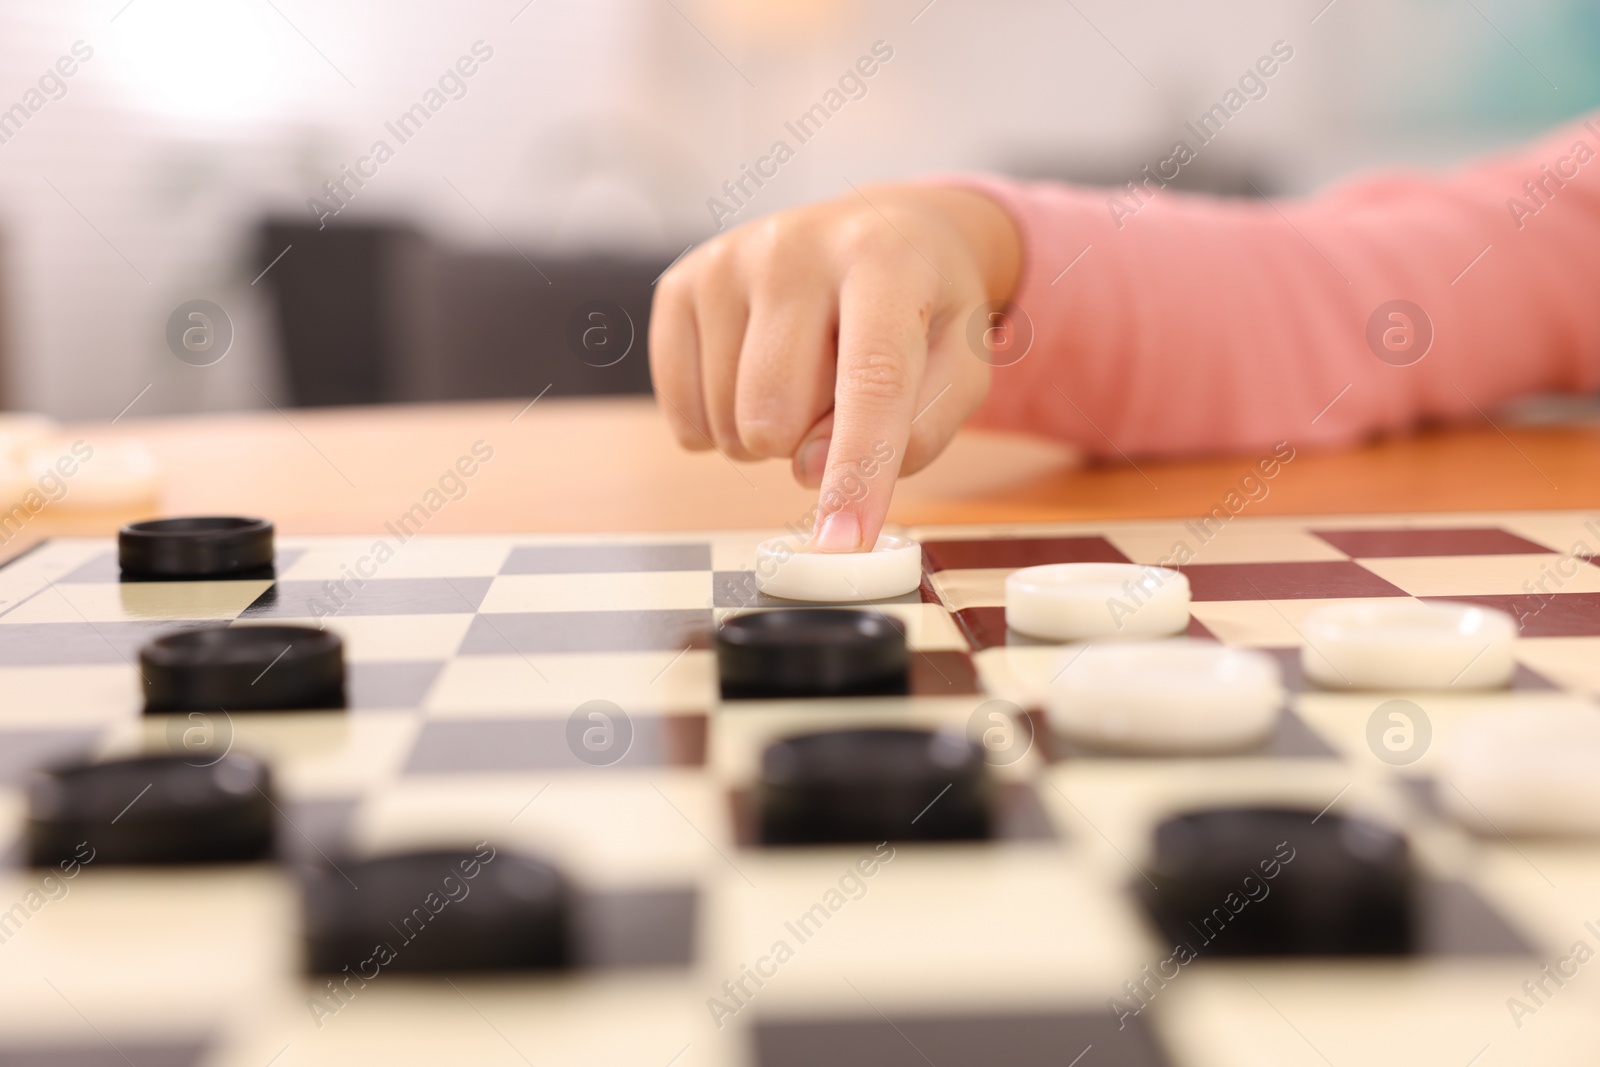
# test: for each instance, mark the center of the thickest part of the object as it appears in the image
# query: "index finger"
(883, 348)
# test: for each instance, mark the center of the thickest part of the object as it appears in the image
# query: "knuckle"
(831, 498)
(724, 254)
(877, 373)
(848, 484)
(766, 437)
(777, 247)
(725, 437)
(716, 258)
(675, 287)
(866, 237)
(767, 238)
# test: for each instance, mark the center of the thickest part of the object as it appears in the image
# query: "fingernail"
(814, 460)
(840, 532)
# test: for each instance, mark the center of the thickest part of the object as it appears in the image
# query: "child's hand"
(821, 334)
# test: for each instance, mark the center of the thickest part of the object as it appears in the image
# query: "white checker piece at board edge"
(1528, 771)
(1408, 645)
(1088, 601)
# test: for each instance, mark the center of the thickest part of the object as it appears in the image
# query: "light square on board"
(601, 591)
(139, 602)
(933, 630)
(553, 685)
(1372, 1013)
(68, 694)
(375, 596)
(535, 632)
(961, 587)
(933, 928)
(389, 638)
(1233, 543)
(178, 984)
(642, 826)
(604, 557)
(1548, 886)
(1503, 574)
(445, 558)
(500, 1019)
(336, 755)
(1342, 719)
(1573, 663)
(1575, 532)
(929, 628)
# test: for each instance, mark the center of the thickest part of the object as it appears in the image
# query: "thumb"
(810, 459)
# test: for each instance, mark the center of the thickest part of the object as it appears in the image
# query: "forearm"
(1194, 324)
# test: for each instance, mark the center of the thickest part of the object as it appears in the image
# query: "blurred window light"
(200, 60)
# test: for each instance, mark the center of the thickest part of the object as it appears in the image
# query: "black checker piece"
(243, 668)
(196, 548)
(811, 652)
(871, 785)
(151, 809)
(469, 909)
(1282, 882)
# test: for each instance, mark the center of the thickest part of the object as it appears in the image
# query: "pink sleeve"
(1196, 324)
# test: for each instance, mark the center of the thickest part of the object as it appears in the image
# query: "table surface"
(612, 465)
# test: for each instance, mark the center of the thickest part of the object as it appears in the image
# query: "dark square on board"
(1300, 580)
(1473, 541)
(1013, 552)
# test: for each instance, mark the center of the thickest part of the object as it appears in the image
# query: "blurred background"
(203, 150)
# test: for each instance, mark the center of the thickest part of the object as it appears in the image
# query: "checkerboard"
(468, 658)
